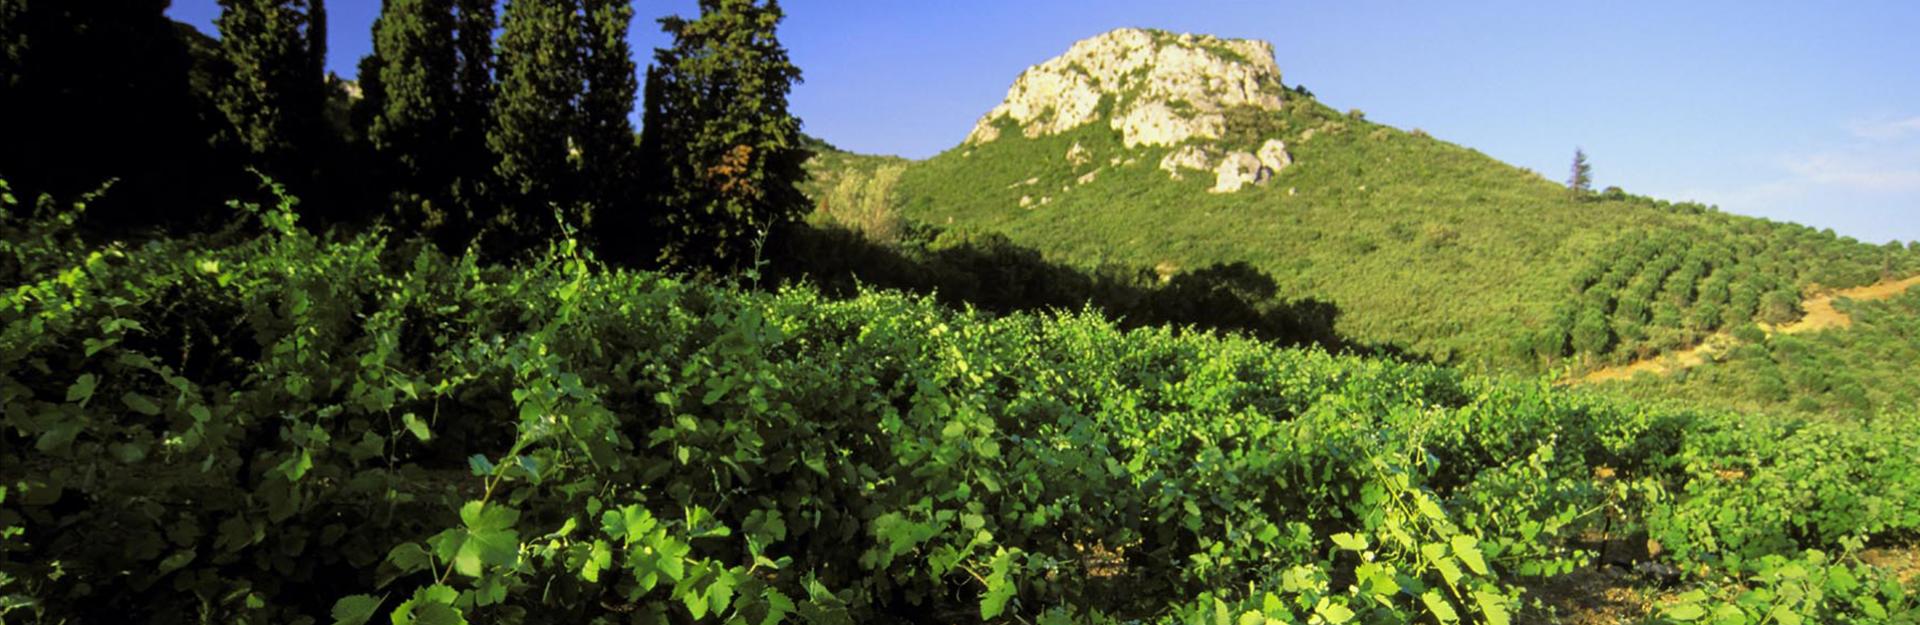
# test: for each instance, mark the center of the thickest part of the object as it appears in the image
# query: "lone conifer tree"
(728, 152)
(1580, 182)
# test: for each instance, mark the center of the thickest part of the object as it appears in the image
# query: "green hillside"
(1418, 241)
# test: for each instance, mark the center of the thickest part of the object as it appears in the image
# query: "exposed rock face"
(1186, 157)
(1155, 90)
(1154, 123)
(1273, 155)
(1237, 170)
(1078, 155)
(1164, 89)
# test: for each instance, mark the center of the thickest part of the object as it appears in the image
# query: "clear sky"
(1802, 111)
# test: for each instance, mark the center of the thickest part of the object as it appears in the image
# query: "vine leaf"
(999, 586)
(417, 427)
(489, 538)
(1438, 606)
(355, 609)
(1467, 549)
(82, 389)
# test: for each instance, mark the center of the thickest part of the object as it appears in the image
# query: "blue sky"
(1807, 112)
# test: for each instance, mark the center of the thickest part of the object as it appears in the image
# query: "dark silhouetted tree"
(1580, 181)
(560, 130)
(428, 93)
(606, 138)
(473, 115)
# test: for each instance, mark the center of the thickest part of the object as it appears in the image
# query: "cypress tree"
(473, 116)
(92, 91)
(473, 103)
(718, 127)
(373, 100)
(607, 139)
(413, 126)
(275, 102)
(536, 117)
(317, 44)
(473, 43)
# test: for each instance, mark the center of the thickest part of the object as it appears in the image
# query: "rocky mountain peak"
(1155, 88)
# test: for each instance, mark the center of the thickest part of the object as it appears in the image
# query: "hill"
(1176, 151)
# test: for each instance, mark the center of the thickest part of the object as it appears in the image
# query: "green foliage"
(1590, 333)
(266, 426)
(986, 271)
(856, 192)
(1809, 588)
(719, 133)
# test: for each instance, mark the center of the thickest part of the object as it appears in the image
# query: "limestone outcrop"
(1164, 88)
(1186, 157)
(1273, 155)
(1232, 170)
(1155, 90)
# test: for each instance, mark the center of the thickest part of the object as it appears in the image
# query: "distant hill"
(1178, 151)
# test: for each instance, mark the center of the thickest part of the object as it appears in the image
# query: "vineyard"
(1849, 373)
(1657, 292)
(262, 425)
